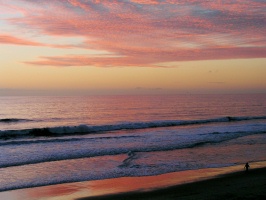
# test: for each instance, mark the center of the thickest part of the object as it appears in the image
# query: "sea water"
(50, 140)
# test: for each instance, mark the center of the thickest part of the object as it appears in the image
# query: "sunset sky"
(132, 46)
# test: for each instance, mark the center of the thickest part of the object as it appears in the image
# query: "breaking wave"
(94, 129)
(13, 120)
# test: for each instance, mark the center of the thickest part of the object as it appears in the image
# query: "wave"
(13, 120)
(116, 145)
(87, 129)
(42, 141)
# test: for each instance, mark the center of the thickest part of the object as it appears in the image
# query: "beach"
(217, 183)
(240, 185)
(132, 99)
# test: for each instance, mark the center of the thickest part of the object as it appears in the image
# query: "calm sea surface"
(50, 140)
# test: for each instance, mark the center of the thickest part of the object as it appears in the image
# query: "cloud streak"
(143, 32)
(12, 40)
(8, 39)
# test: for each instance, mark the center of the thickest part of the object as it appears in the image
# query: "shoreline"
(231, 181)
(237, 185)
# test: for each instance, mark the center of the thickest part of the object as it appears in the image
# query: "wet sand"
(241, 185)
(215, 183)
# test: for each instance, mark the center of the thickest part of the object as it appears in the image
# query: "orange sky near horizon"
(132, 47)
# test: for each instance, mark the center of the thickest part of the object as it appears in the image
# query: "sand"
(217, 183)
(251, 185)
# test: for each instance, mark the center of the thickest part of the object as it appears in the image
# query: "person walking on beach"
(246, 166)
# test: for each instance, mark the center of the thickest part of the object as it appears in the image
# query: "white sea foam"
(53, 149)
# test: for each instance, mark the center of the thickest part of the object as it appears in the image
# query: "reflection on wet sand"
(119, 185)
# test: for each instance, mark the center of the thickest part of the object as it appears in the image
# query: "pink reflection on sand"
(120, 185)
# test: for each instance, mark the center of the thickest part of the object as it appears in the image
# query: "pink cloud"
(151, 59)
(7, 39)
(150, 2)
(145, 33)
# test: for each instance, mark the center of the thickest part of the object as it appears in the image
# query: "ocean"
(49, 140)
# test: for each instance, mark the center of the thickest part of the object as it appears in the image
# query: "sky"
(132, 46)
